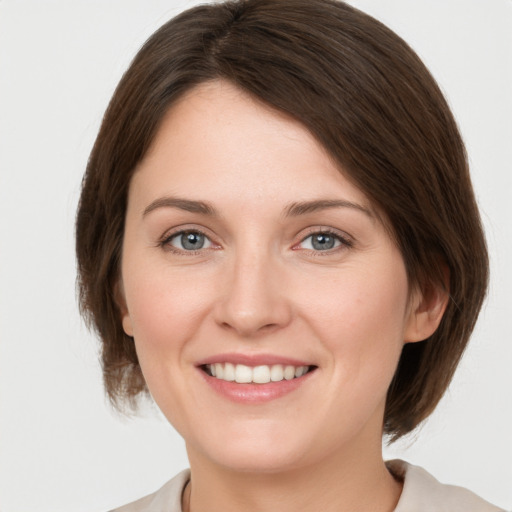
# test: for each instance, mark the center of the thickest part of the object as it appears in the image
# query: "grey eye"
(321, 242)
(190, 241)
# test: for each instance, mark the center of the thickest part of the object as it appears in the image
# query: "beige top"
(421, 493)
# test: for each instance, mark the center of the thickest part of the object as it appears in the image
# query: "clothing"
(421, 493)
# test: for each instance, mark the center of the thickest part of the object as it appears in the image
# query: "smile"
(262, 374)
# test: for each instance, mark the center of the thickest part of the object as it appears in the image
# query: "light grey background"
(62, 449)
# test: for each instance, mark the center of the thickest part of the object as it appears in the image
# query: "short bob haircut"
(369, 101)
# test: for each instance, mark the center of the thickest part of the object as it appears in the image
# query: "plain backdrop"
(62, 448)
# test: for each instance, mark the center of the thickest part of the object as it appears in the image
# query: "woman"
(277, 238)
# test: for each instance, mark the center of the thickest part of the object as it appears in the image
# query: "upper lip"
(253, 360)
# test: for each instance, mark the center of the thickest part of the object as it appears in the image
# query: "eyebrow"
(292, 210)
(182, 204)
(305, 207)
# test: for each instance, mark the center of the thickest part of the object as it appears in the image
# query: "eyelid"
(164, 240)
(346, 241)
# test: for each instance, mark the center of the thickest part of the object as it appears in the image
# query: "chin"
(251, 460)
(250, 453)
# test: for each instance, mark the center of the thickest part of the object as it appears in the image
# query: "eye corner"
(327, 241)
(187, 241)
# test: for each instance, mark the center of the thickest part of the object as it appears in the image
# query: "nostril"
(248, 327)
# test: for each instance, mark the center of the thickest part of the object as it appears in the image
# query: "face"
(267, 302)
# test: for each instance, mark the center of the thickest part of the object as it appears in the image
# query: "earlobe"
(426, 312)
(127, 324)
(126, 320)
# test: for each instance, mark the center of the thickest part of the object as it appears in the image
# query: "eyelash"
(165, 243)
(345, 242)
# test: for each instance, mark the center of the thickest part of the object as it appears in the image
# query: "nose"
(254, 299)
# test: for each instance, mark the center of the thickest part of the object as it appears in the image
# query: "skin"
(258, 286)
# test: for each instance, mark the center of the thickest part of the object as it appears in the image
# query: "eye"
(189, 241)
(323, 241)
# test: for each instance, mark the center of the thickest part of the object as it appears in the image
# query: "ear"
(427, 307)
(123, 308)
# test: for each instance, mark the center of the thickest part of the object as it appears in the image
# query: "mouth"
(261, 374)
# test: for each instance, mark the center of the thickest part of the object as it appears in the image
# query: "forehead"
(220, 142)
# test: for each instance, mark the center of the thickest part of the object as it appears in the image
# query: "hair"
(367, 98)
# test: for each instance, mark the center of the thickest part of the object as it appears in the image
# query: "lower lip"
(254, 393)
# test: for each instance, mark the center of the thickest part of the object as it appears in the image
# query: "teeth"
(258, 374)
(229, 372)
(261, 374)
(289, 372)
(276, 373)
(243, 374)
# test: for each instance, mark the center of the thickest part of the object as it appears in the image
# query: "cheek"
(166, 311)
(359, 320)
(169, 310)
(156, 315)
(360, 317)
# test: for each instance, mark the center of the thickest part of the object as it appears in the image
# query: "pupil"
(323, 242)
(192, 241)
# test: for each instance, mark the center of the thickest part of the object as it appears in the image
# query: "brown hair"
(367, 98)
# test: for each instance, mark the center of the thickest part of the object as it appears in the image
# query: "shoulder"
(423, 493)
(167, 498)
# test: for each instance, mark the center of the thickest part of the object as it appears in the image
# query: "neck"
(346, 481)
